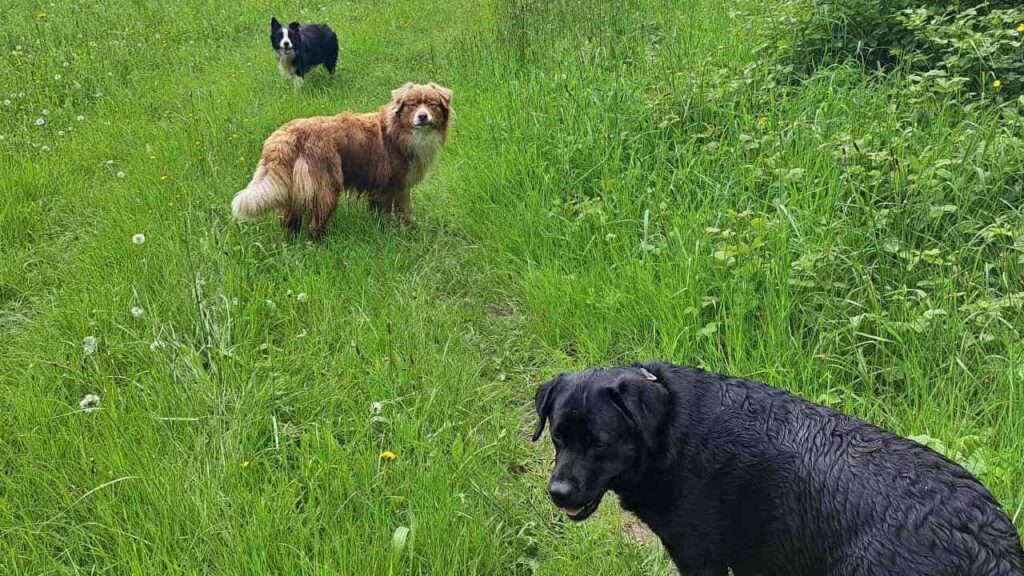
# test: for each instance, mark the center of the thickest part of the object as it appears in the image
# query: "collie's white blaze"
(285, 42)
(424, 146)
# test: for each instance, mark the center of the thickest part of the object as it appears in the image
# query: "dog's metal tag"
(647, 374)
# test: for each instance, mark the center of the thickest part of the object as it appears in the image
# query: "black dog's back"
(782, 486)
(319, 46)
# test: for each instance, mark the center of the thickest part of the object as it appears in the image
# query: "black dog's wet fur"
(733, 473)
(313, 44)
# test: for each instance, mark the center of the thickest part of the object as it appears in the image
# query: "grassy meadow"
(623, 181)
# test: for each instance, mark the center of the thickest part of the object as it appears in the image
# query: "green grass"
(623, 181)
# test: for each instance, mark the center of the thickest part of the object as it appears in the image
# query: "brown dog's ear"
(446, 94)
(542, 400)
(400, 92)
(643, 404)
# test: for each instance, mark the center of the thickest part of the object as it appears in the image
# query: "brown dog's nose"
(560, 492)
(421, 117)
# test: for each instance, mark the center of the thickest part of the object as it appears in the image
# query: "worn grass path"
(605, 165)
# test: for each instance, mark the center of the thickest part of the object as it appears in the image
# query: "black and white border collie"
(300, 48)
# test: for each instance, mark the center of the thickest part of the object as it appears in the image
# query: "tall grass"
(624, 181)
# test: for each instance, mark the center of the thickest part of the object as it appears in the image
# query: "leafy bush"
(948, 46)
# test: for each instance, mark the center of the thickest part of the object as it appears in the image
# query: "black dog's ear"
(274, 24)
(294, 25)
(643, 403)
(542, 399)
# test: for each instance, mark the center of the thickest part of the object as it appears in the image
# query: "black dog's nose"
(560, 492)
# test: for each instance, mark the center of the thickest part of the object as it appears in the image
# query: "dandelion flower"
(89, 345)
(120, 174)
(31, 365)
(997, 84)
(138, 238)
(137, 311)
(302, 297)
(1020, 28)
(89, 403)
(40, 121)
(388, 455)
(245, 464)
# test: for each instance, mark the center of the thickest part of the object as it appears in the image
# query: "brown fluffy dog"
(307, 162)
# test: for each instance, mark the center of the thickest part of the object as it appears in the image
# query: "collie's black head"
(285, 38)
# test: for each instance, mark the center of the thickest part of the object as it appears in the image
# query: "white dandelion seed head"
(66, 64)
(18, 47)
(120, 174)
(56, 77)
(137, 311)
(80, 118)
(40, 121)
(288, 293)
(138, 238)
(60, 133)
(7, 102)
(46, 112)
(89, 403)
(89, 345)
(45, 148)
(302, 297)
(21, 94)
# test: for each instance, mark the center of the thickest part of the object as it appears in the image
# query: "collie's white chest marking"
(424, 146)
(286, 62)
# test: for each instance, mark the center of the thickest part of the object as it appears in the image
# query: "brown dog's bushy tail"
(270, 185)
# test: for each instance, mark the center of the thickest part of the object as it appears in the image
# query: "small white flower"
(40, 121)
(138, 239)
(235, 301)
(157, 345)
(66, 64)
(80, 118)
(89, 345)
(120, 174)
(137, 311)
(302, 297)
(46, 112)
(89, 403)
(21, 94)
(45, 148)
(56, 77)
(7, 102)
(376, 407)
(60, 133)
(288, 293)
(18, 47)
(270, 304)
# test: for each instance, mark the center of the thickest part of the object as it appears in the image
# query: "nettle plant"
(948, 46)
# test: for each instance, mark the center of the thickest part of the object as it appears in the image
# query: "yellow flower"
(245, 464)
(41, 16)
(31, 365)
(152, 157)
(1020, 27)
(997, 84)
(163, 177)
(762, 122)
(388, 455)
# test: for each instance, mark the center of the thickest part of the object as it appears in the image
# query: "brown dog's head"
(421, 107)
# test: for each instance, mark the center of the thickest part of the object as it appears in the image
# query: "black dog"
(733, 473)
(300, 48)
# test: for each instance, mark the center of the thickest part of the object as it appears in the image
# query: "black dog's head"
(285, 38)
(604, 422)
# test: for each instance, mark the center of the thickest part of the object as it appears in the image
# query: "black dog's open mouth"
(584, 512)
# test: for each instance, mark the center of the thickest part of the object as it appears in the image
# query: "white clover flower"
(40, 121)
(302, 297)
(120, 174)
(18, 47)
(60, 133)
(46, 112)
(66, 64)
(89, 345)
(7, 102)
(56, 77)
(137, 311)
(138, 238)
(80, 118)
(21, 94)
(89, 403)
